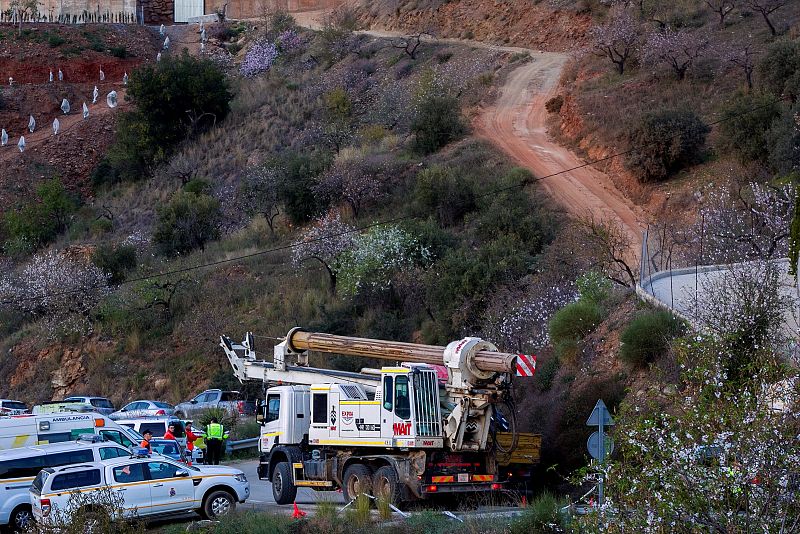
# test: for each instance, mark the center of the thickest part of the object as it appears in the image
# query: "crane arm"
(245, 366)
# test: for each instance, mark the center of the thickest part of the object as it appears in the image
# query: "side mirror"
(182, 473)
(260, 419)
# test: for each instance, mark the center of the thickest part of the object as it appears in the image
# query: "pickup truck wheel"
(218, 504)
(386, 485)
(21, 518)
(357, 480)
(283, 489)
(180, 415)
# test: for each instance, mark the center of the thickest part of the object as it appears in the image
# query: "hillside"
(380, 185)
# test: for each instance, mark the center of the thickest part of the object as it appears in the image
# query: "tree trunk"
(769, 23)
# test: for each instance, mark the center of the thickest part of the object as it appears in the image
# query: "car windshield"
(101, 403)
(14, 405)
(162, 405)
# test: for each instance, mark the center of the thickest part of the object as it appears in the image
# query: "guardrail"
(231, 446)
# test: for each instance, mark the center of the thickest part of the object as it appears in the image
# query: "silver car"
(143, 408)
(99, 404)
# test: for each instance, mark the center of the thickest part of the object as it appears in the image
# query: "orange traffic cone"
(297, 514)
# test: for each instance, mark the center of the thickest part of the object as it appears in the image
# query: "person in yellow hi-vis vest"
(215, 436)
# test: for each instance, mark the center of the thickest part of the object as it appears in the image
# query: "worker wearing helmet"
(215, 435)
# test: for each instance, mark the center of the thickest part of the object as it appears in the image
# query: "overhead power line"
(289, 246)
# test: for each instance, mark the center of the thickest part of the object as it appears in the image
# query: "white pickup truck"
(144, 486)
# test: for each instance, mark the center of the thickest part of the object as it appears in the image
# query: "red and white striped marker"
(526, 365)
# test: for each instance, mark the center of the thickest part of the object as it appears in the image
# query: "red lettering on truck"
(402, 429)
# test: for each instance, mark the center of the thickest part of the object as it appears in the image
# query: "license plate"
(463, 477)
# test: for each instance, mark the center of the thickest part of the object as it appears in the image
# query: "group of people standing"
(215, 435)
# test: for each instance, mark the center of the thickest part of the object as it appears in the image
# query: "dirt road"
(517, 124)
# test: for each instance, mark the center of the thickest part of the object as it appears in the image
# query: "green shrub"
(575, 320)
(546, 371)
(783, 141)
(779, 69)
(554, 104)
(664, 142)
(97, 227)
(439, 191)
(593, 287)
(198, 186)
(542, 515)
(55, 40)
(119, 51)
(436, 123)
(296, 184)
(175, 98)
(513, 214)
(745, 132)
(40, 221)
(648, 336)
(188, 222)
(115, 261)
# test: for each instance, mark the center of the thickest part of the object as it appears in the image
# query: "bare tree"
(324, 241)
(182, 168)
(610, 249)
(617, 39)
(679, 49)
(411, 43)
(746, 222)
(260, 187)
(742, 56)
(767, 8)
(354, 178)
(722, 8)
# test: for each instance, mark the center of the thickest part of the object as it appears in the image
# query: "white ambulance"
(27, 430)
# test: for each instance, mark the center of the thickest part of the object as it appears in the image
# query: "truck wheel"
(218, 504)
(357, 480)
(386, 486)
(21, 518)
(283, 488)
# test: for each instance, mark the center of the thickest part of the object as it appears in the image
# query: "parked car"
(157, 425)
(26, 430)
(62, 407)
(12, 407)
(18, 468)
(143, 408)
(100, 404)
(152, 486)
(231, 401)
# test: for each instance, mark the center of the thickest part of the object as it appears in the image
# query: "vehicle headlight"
(240, 477)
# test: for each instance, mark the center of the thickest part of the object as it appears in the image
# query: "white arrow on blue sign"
(600, 413)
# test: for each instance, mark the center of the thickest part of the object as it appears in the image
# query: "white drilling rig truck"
(441, 420)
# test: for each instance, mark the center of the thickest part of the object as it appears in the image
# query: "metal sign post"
(599, 444)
